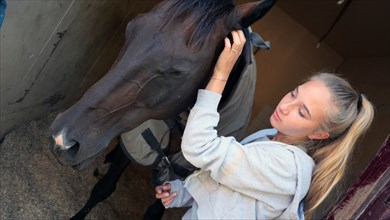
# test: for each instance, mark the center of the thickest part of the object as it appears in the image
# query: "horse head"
(167, 56)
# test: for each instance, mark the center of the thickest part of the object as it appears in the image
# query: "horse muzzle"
(64, 153)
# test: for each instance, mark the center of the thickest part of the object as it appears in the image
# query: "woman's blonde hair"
(345, 123)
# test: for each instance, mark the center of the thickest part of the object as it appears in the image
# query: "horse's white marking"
(60, 142)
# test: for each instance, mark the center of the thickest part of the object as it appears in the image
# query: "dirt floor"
(33, 185)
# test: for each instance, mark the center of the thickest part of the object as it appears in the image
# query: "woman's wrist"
(220, 76)
(218, 79)
(216, 84)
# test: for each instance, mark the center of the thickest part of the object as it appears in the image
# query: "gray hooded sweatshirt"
(255, 179)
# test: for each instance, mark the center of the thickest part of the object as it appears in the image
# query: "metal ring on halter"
(237, 52)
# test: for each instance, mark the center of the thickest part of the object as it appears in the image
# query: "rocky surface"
(33, 185)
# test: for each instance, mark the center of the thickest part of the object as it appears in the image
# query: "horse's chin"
(77, 166)
(83, 164)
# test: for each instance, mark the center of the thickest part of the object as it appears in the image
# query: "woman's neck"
(286, 139)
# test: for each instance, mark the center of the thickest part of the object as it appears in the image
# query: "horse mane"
(204, 13)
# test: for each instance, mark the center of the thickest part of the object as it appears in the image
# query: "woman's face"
(300, 112)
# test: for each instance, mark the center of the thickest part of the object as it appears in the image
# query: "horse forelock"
(204, 14)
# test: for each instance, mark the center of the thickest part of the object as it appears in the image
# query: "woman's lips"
(276, 114)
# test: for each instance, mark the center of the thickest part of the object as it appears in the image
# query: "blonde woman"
(285, 172)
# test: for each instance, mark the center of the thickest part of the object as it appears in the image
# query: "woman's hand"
(229, 55)
(226, 61)
(163, 193)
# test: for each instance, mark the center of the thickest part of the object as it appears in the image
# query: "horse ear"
(248, 13)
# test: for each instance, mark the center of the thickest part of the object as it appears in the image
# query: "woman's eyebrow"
(304, 106)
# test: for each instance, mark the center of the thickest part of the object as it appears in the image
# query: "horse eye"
(174, 73)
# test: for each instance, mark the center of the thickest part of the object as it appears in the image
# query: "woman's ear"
(318, 135)
(248, 13)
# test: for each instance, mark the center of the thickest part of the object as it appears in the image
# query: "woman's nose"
(285, 107)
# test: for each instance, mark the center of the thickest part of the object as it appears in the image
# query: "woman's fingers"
(162, 195)
(166, 187)
(242, 36)
(162, 191)
(158, 189)
(163, 188)
(227, 43)
(236, 38)
(167, 200)
(229, 55)
(238, 42)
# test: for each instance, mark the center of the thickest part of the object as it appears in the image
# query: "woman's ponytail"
(345, 126)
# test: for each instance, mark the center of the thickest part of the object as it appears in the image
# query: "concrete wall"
(51, 51)
(371, 76)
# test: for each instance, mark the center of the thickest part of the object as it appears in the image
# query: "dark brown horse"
(169, 53)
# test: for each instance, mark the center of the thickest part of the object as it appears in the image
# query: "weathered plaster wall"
(51, 51)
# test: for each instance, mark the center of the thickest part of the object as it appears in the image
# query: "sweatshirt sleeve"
(244, 168)
(183, 197)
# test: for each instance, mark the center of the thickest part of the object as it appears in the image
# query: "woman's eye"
(300, 113)
(292, 94)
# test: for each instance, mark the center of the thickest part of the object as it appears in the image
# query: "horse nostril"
(72, 151)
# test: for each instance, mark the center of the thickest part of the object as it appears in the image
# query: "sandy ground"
(33, 185)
